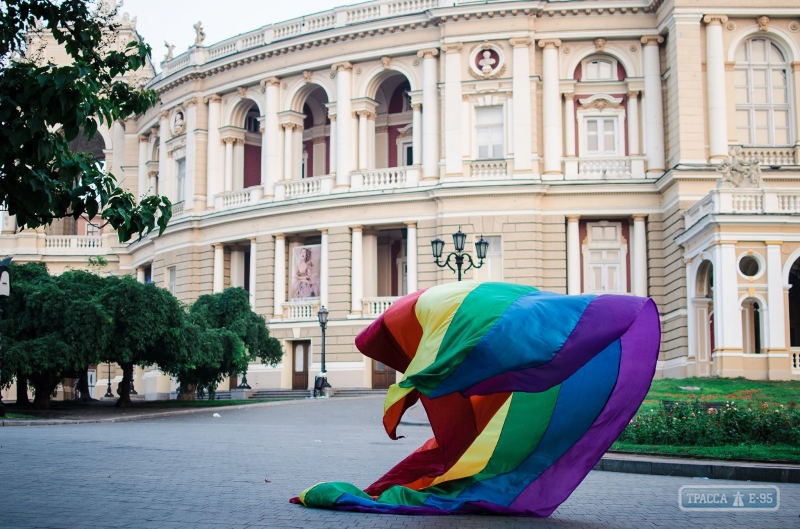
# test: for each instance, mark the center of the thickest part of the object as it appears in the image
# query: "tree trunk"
(83, 386)
(187, 391)
(124, 387)
(43, 386)
(22, 391)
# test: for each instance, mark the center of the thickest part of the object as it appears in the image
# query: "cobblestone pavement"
(196, 471)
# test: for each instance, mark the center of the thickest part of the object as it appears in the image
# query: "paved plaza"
(197, 471)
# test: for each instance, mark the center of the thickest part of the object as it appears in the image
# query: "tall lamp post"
(459, 240)
(5, 290)
(108, 391)
(321, 381)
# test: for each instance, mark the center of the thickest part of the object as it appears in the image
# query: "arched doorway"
(393, 132)
(247, 149)
(703, 303)
(315, 137)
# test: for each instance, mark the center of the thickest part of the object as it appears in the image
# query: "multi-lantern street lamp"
(459, 241)
(321, 381)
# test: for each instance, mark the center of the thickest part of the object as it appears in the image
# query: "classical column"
(219, 267)
(371, 140)
(521, 86)
(716, 89)
(416, 133)
(452, 109)
(691, 318)
(344, 133)
(152, 180)
(411, 257)
(228, 164)
(639, 257)
(363, 158)
(654, 109)
(633, 123)
(569, 124)
(253, 274)
(573, 255)
(325, 266)
(238, 164)
(270, 138)
(369, 246)
(164, 158)
(356, 272)
(332, 145)
(430, 114)
(288, 151)
(213, 179)
(140, 274)
(144, 147)
(279, 290)
(237, 268)
(190, 175)
(776, 335)
(727, 310)
(551, 106)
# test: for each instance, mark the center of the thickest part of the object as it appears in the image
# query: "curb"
(732, 470)
(158, 415)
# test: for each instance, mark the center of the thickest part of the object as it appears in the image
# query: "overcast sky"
(172, 20)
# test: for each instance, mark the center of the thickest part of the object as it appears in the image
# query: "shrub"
(691, 424)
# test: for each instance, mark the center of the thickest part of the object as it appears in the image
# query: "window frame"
(492, 253)
(501, 126)
(180, 180)
(172, 282)
(620, 245)
(617, 114)
(586, 61)
(751, 107)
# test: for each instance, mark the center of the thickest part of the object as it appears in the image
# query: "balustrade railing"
(177, 209)
(604, 167)
(301, 310)
(74, 244)
(796, 360)
(488, 169)
(770, 155)
(737, 201)
(305, 187)
(389, 178)
(374, 307)
(239, 198)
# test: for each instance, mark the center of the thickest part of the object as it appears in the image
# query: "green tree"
(43, 107)
(148, 327)
(227, 335)
(54, 327)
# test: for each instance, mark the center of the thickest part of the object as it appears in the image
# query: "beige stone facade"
(582, 139)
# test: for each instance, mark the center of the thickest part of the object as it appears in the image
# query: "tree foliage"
(226, 335)
(44, 106)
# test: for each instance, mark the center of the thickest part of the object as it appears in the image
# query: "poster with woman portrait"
(305, 272)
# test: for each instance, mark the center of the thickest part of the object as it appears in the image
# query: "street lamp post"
(321, 381)
(5, 290)
(108, 391)
(459, 240)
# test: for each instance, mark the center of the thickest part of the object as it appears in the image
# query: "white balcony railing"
(305, 187)
(744, 202)
(605, 167)
(374, 307)
(177, 209)
(239, 198)
(771, 155)
(488, 170)
(796, 360)
(301, 310)
(74, 245)
(388, 178)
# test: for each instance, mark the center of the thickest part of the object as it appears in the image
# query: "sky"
(172, 20)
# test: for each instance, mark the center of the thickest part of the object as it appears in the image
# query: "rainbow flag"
(525, 391)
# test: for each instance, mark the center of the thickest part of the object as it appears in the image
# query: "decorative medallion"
(731, 25)
(794, 26)
(566, 50)
(486, 61)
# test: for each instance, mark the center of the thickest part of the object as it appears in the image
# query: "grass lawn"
(777, 453)
(739, 390)
(18, 416)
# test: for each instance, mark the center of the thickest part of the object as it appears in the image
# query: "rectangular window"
(172, 279)
(601, 136)
(489, 132)
(92, 230)
(604, 259)
(492, 269)
(181, 191)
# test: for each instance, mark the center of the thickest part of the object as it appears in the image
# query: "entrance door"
(383, 376)
(300, 363)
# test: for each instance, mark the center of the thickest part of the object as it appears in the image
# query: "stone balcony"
(738, 201)
(239, 198)
(306, 187)
(389, 178)
(374, 307)
(305, 310)
(796, 361)
(605, 168)
(771, 156)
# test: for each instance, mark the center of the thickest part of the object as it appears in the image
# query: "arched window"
(599, 69)
(763, 107)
